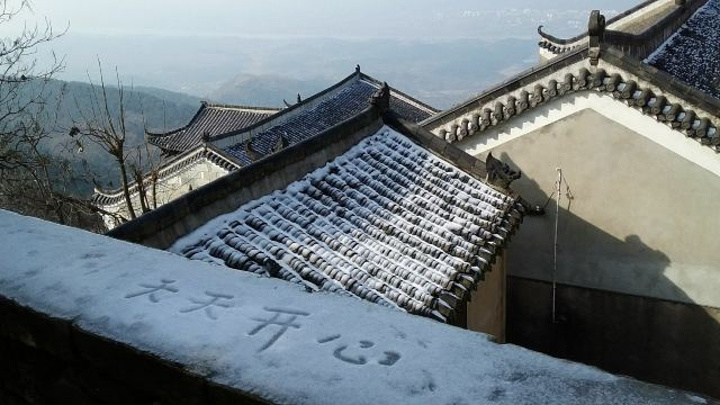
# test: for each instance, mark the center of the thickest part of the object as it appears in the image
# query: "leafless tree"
(106, 126)
(33, 180)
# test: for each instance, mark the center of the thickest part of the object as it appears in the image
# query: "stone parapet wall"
(53, 361)
(88, 319)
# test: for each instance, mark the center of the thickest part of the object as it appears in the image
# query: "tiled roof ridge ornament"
(254, 156)
(381, 98)
(498, 173)
(694, 124)
(357, 68)
(280, 144)
(298, 101)
(596, 34)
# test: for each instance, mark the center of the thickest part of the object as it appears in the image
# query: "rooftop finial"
(381, 98)
(596, 34)
(499, 173)
(299, 99)
(357, 68)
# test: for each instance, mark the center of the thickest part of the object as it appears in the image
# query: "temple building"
(617, 137)
(220, 139)
(365, 192)
(375, 208)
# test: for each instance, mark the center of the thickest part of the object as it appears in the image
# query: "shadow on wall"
(673, 343)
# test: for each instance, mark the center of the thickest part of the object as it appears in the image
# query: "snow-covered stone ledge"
(87, 319)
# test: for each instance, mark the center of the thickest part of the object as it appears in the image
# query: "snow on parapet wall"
(387, 221)
(270, 338)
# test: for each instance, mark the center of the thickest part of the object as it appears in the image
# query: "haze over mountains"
(248, 53)
(259, 54)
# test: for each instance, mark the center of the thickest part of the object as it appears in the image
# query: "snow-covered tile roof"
(692, 54)
(274, 341)
(387, 221)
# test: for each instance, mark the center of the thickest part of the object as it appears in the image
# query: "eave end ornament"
(498, 173)
(596, 34)
(381, 98)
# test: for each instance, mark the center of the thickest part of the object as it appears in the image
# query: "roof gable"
(630, 82)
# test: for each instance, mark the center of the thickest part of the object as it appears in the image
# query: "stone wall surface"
(46, 360)
(660, 341)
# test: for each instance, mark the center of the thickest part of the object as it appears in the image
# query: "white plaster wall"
(192, 177)
(644, 216)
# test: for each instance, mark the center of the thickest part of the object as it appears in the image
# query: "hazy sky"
(337, 18)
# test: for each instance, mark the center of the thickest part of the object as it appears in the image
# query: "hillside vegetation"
(68, 103)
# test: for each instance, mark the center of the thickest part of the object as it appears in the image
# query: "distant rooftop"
(316, 114)
(692, 54)
(209, 121)
(236, 136)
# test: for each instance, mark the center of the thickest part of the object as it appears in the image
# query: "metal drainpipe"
(555, 244)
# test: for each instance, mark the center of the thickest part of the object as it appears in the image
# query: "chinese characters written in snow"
(277, 322)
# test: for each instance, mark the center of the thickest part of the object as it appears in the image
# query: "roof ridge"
(151, 134)
(636, 44)
(208, 105)
(241, 107)
(515, 82)
(293, 108)
(404, 96)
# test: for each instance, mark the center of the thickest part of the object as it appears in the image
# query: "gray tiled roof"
(353, 97)
(211, 120)
(692, 55)
(387, 221)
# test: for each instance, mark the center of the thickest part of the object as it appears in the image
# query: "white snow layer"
(386, 221)
(228, 325)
